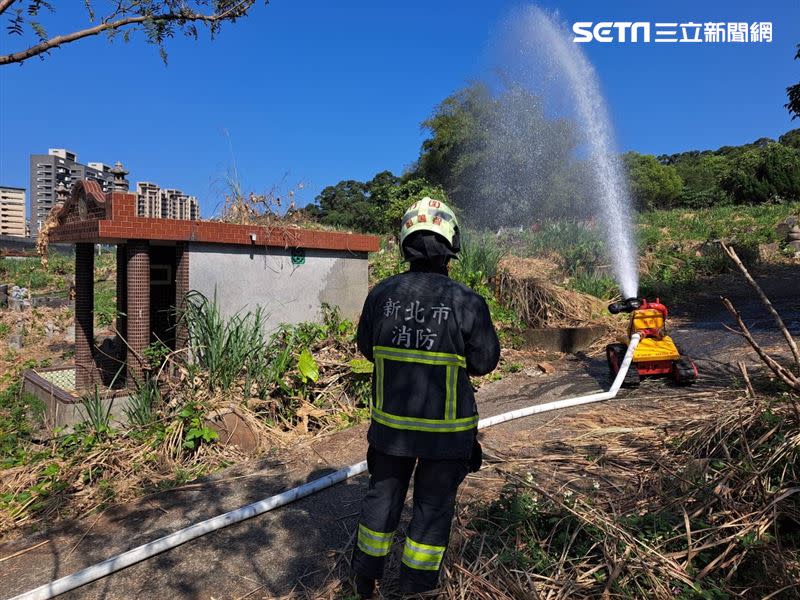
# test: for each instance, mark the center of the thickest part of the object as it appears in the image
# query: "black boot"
(365, 587)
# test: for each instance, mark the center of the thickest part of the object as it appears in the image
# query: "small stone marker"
(546, 367)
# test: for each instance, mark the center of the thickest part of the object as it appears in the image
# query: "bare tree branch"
(4, 4)
(107, 25)
(765, 301)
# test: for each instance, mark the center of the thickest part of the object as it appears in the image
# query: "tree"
(701, 173)
(793, 92)
(344, 205)
(652, 184)
(764, 175)
(389, 211)
(791, 138)
(158, 19)
(501, 159)
(376, 206)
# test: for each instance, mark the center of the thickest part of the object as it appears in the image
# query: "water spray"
(541, 36)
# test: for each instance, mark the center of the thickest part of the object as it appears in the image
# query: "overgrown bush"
(300, 378)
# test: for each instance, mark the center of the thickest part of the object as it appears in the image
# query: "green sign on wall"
(298, 256)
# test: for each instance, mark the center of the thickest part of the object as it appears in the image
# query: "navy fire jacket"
(425, 334)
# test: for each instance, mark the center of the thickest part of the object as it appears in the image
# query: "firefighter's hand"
(476, 458)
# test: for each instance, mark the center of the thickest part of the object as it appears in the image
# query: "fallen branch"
(747, 383)
(765, 301)
(780, 371)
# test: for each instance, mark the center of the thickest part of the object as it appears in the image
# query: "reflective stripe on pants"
(435, 485)
(422, 557)
(374, 543)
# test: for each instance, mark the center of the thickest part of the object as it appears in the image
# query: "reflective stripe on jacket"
(425, 334)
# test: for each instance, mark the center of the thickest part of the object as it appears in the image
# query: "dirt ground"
(298, 548)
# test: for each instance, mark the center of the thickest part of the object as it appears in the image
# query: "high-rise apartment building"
(58, 166)
(158, 203)
(12, 211)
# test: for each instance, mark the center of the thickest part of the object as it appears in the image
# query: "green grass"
(580, 247)
(677, 248)
(105, 303)
(18, 413)
(478, 260)
(747, 224)
(29, 273)
(225, 348)
(680, 246)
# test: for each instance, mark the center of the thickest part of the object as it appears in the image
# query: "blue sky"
(317, 91)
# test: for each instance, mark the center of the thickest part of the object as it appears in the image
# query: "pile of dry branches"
(525, 286)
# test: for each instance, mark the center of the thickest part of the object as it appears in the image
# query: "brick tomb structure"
(290, 272)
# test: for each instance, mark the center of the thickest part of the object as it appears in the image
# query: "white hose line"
(145, 551)
(557, 404)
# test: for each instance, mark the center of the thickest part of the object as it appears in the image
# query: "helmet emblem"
(437, 220)
(409, 224)
(422, 218)
(434, 203)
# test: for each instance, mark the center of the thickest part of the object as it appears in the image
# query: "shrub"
(96, 413)
(478, 260)
(224, 349)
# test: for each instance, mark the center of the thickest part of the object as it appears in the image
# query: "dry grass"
(76, 474)
(713, 513)
(689, 499)
(525, 285)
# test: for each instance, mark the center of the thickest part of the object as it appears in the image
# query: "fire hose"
(150, 549)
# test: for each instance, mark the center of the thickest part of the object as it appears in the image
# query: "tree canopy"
(499, 156)
(762, 171)
(500, 160)
(375, 206)
(159, 20)
(793, 92)
(652, 184)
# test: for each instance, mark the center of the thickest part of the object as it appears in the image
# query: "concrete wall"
(290, 293)
(17, 244)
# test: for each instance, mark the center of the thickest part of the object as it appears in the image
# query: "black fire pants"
(435, 485)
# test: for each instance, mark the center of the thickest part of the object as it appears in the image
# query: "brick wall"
(138, 320)
(121, 222)
(122, 297)
(85, 372)
(181, 289)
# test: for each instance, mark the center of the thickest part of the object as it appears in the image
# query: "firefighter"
(426, 334)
